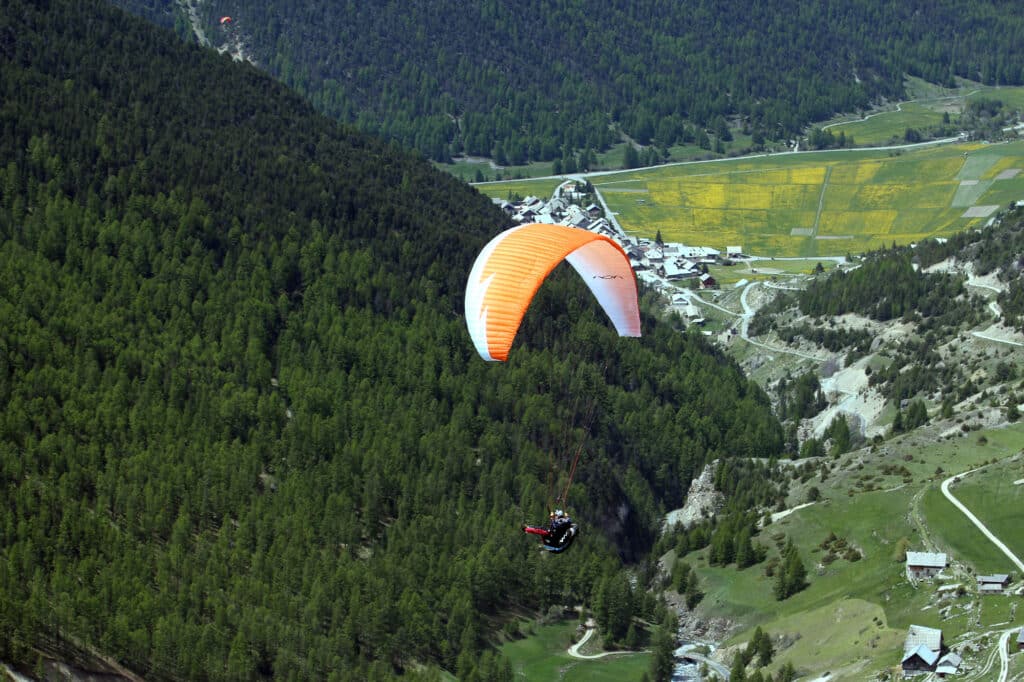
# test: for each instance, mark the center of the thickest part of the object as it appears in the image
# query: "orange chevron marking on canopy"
(510, 269)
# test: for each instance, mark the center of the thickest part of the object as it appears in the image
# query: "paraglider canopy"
(225, 20)
(512, 266)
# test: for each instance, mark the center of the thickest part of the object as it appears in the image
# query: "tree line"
(543, 80)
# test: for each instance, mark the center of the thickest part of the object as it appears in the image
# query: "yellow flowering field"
(836, 202)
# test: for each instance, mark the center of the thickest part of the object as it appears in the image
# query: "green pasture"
(992, 499)
(542, 188)
(473, 171)
(869, 508)
(992, 495)
(925, 109)
(765, 270)
(543, 656)
(830, 633)
(872, 522)
(854, 615)
(818, 204)
(888, 127)
(956, 535)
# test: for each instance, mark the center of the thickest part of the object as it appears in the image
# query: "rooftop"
(927, 559)
(926, 654)
(919, 635)
(1001, 578)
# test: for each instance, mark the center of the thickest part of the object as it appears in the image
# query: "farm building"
(1020, 640)
(921, 650)
(674, 270)
(733, 251)
(993, 584)
(922, 565)
(707, 282)
(701, 254)
(948, 664)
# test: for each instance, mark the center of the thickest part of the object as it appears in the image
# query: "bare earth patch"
(980, 211)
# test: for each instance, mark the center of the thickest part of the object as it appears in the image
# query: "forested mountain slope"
(243, 431)
(540, 78)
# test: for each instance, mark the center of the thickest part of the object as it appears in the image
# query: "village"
(661, 265)
(924, 650)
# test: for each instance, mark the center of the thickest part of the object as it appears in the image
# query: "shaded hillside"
(540, 79)
(243, 432)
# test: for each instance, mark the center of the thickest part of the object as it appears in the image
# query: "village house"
(923, 565)
(708, 282)
(921, 650)
(676, 270)
(734, 252)
(693, 314)
(648, 277)
(699, 254)
(993, 584)
(574, 215)
(948, 664)
(1020, 640)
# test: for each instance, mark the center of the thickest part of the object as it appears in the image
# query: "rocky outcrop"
(702, 500)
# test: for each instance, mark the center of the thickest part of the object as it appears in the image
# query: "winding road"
(574, 650)
(974, 519)
(748, 314)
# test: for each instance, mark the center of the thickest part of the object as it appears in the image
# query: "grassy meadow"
(543, 188)
(924, 110)
(543, 656)
(888, 127)
(853, 617)
(993, 495)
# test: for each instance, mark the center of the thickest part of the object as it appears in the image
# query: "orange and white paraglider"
(512, 266)
(224, 21)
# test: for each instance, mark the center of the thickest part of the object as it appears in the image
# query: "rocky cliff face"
(702, 500)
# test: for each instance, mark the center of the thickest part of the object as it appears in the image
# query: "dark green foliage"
(915, 415)
(884, 288)
(800, 398)
(738, 671)
(731, 541)
(243, 432)
(832, 339)
(761, 643)
(526, 80)
(663, 650)
(839, 433)
(790, 575)
(786, 673)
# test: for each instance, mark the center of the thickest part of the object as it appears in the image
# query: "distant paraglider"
(510, 269)
(224, 21)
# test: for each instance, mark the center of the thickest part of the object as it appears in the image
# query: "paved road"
(974, 519)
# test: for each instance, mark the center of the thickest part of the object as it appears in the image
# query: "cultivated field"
(819, 204)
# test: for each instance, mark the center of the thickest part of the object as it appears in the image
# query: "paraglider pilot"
(558, 535)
